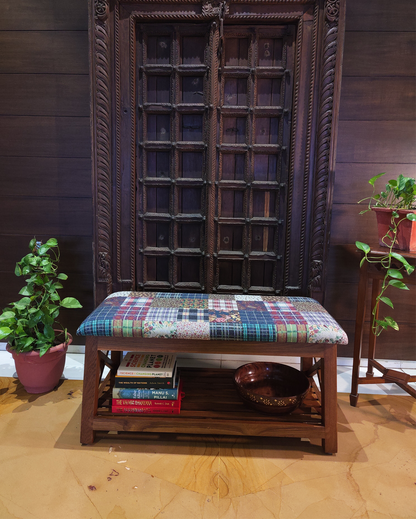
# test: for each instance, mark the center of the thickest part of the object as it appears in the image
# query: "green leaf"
(62, 276)
(32, 244)
(26, 291)
(391, 322)
(387, 301)
(44, 348)
(400, 258)
(362, 246)
(7, 314)
(376, 177)
(394, 273)
(5, 331)
(43, 249)
(398, 284)
(49, 332)
(383, 324)
(411, 217)
(18, 270)
(52, 242)
(27, 342)
(70, 302)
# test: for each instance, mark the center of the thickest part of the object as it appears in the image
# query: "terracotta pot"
(406, 232)
(40, 374)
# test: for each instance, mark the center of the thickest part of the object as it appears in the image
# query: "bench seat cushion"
(213, 317)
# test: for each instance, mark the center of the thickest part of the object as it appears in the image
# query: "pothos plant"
(30, 324)
(398, 195)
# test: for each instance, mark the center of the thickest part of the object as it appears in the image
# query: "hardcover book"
(146, 382)
(137, 364)
(154, 403)
(145, 394)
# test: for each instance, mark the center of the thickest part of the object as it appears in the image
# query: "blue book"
(146, 394)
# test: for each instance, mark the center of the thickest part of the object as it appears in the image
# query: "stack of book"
(147, 383)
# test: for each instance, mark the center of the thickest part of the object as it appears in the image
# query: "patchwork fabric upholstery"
(213, 317)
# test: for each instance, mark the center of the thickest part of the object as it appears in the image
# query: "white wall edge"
(342, 361)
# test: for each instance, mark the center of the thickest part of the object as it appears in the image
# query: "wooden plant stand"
(211, 404)
(373, 273)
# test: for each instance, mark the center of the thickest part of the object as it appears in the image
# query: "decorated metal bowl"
(270, 387)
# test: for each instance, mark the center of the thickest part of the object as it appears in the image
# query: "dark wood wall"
(377, 133)
(45, 166)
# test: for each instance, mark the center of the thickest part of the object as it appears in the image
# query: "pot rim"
(389, 210)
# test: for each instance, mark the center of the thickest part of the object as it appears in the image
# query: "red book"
(132, 409)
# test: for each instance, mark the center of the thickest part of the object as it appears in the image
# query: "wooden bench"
(216, 324)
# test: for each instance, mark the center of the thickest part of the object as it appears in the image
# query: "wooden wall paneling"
(378, 99)
(381, 15)
(377, 142)
(371, 54)
(44, 15)
(377, 133)
(53, 216)
(45, 158)
(390, 345)
(348, 225)
(75, 252)
(45, 136)
(37, 52)
(56, 177)
(44, 94)
(344, 307)
(351, 179)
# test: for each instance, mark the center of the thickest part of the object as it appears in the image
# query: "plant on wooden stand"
(30, 325)
(399, 198)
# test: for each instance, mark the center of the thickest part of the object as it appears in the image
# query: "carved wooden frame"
(107, 111)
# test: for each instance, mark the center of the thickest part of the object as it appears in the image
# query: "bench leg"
(329, 400)
(90, 390)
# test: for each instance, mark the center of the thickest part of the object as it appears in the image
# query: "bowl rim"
(242, 388)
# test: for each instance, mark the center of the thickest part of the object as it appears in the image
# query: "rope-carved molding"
(101, 156)
(324, 142)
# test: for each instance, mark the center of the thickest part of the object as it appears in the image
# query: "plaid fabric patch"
(162, 314)
(133, 309)
(292, 333)
(284, 313)
(226, 331)
(259, 332)
(219, 317)
(193, 314)
(183, 295)
(128, 328)
(222, 304)
(252, 317)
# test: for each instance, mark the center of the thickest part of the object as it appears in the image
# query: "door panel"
(175, 184)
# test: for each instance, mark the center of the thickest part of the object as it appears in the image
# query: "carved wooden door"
(213, 133)
(214, 137)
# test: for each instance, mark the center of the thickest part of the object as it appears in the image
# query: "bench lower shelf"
(212, 406)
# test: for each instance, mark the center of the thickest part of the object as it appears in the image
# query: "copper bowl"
(270, 387)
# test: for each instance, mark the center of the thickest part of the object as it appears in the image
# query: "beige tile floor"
(46, 474)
